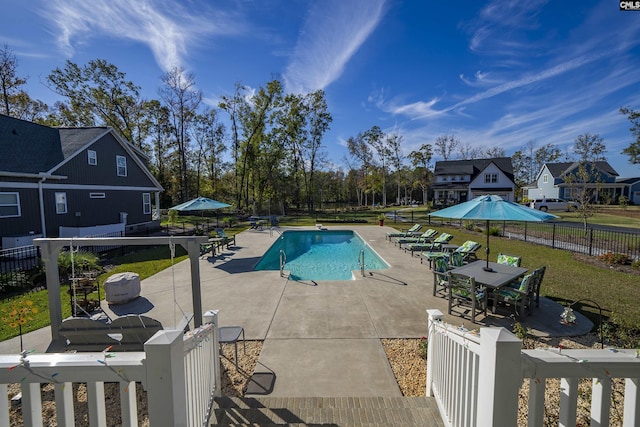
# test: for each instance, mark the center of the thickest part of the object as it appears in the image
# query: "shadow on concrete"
(236, 265)
(139, 305)
(384, 278)
(261, 383)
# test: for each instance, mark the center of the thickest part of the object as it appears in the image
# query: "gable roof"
(629, 180)
(28, 147)
(74, 139)
(560, 168)
(474, 166)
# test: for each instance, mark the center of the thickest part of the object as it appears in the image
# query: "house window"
(9, 205)
(545, 178)
(97, 195)
(92, 157)
(121, 164)
(61, 203)
(146, 203)
(490, 178)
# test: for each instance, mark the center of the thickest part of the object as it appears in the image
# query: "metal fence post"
(590, 241)
(553, 236)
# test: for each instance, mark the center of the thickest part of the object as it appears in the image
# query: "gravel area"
(405, 361)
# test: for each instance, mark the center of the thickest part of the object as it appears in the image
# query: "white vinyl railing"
(476, 378)
(181, 374)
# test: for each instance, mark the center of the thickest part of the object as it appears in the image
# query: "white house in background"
(457, 181)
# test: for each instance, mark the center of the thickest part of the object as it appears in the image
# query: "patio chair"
(432, 246)
(224, 238)
(517, 294)
(538, 275)
(406, 233)
(465, 293)
(463, 254)
(440, 276)
(511, 260)
(425, 237)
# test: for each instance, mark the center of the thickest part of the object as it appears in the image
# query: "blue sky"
(494, 73)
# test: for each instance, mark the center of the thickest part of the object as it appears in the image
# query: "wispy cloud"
(167, 27)
(332, 33)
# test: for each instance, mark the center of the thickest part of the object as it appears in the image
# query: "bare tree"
(468, 152)
(445, 145)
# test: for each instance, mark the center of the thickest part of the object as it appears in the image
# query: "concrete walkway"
(321, 339)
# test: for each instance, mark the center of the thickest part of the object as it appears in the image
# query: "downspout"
(41, 198)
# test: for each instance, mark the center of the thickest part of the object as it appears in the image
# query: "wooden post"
(498, 383)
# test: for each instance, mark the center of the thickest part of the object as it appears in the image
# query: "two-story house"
(71, 182)
(564, 179)
(457, 181)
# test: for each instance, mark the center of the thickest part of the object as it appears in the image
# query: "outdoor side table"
(230, 334)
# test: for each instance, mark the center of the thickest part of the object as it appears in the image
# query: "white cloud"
(332, 33)
(166, 27)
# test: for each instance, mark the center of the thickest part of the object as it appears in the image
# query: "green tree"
(421, 159)
(182, 99)
(15, 101)
(633, 150)
(99, 94)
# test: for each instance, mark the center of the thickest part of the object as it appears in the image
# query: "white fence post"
(434, 316)
(631, 401)
(165, 387)
(211, 316)
(499, 378)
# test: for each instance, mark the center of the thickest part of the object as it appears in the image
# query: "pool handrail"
(283, 261)
(361, 261)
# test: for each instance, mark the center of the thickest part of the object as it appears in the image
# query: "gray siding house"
(70, 181)
(457, 181)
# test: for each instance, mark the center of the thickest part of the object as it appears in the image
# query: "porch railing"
(180, 372)
(476, 378)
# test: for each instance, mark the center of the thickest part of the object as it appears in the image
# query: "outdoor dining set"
(472, 285)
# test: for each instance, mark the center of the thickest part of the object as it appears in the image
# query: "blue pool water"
(320, 255)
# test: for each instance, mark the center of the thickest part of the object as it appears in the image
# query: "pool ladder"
(361, 261)
(283, 261)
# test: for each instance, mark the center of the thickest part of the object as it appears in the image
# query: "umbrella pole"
(487, 250)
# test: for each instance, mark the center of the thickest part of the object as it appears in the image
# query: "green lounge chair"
(432, 246)
(425, 237)
(463, 254)
(511, 260)
(407, 233)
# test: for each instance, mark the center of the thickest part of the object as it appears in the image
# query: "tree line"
(262, 149)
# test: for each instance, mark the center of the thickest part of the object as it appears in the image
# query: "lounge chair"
(425, 237)
(463, 254)
(406, 233)
(431, 246)
(464, 292)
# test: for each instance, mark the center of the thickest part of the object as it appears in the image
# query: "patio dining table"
(500, 274)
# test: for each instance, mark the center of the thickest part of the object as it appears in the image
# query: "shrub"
(423, 346)
(82, 261)
(495, 231)
(613, 258)
(469, 225)
(636, 264)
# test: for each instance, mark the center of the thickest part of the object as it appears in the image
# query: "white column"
(50, 252)
(96, 403)
(631, 402)
(165, 385)
(499, 378)
(433, 316)
(193, 248)
(568, 402)
(64, 404)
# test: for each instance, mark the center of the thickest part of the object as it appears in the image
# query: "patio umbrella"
(200, 204)
(492, 208)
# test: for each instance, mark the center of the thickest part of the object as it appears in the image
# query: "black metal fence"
(20, 270)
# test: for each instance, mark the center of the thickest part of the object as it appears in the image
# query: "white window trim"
(146, 203)
(92, 157)
(545, 178)
(123, 166)
(490, 178)
(64, 195)
(17, 204)
(97, 196)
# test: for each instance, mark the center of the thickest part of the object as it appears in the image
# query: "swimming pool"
(320, 255)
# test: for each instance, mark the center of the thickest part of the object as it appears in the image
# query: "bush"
(423, 347)
(495, 231)
(82, 261)
(613, 258)
(636, 264)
